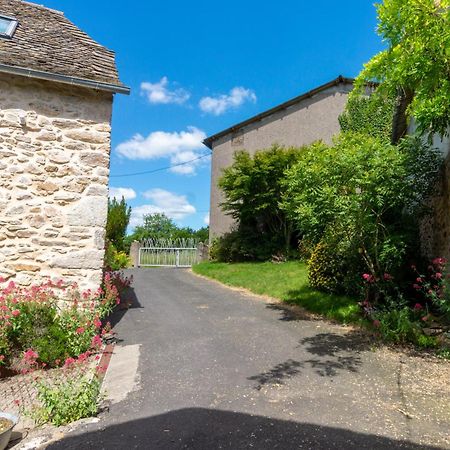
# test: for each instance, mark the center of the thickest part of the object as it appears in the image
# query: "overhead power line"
(146, 172)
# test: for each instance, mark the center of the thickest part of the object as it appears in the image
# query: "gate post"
(134, 253)
(202, 252)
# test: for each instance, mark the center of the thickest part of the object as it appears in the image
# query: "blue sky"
(198, 67)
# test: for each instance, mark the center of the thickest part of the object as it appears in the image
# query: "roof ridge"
(340, 79)
(37, 5)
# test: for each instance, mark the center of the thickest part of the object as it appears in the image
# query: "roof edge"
(340, 79)
(65, 79)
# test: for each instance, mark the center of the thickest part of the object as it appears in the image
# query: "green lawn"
(287, 282)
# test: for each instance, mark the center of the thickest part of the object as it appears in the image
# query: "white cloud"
(119, 192)
(206, 219)
(179, 147)
(159, 93)
(172, 205)
(222, 103)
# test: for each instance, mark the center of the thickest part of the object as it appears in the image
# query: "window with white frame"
(7, 26)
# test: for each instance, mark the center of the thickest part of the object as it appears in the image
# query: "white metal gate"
(168, 253)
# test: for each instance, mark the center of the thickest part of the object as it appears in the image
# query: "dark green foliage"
(202, 234)
(117, 223)
(254, 188)
(155, 226)
(52, 346)
(243, 244)
(398, 326)
(369, 114)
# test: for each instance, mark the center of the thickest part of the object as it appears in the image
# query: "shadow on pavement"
(278, 374)
(290, 313)
(334, 353)
(206, 429)
(131, 301)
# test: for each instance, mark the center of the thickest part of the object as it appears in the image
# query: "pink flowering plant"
(407, 314)
(432, 285)
(48, 324)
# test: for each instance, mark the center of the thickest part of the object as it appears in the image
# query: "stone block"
(89, 211)
(85, 259)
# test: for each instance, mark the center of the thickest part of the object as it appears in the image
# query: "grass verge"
(287, 282)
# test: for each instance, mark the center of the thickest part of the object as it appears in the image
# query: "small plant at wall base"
(72, 395)
(115, 260)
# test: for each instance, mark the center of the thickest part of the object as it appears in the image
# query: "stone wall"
(54, 166)
(435, 229)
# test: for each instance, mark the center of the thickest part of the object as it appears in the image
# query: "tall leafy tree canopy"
(417, 60)
(253, 188)
(117, 222)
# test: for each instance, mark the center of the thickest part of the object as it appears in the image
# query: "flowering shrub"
(45, 325)
(411, 315)
(433, 285)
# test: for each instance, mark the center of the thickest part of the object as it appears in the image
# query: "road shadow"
(333, 354)
(207, 429)
(277, 374)
(129, 300)
(291, 313)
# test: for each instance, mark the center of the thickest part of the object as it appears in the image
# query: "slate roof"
(46, 41)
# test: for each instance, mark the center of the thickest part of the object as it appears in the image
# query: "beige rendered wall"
(313, 119)
(54, 167)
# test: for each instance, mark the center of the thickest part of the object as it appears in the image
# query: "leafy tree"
(155, 226)
(253, 188)
(160, 226)
(417, 60)
(202, 234)
(362, 194)
(117, 222)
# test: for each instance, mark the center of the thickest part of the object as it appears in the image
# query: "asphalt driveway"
(221, 369)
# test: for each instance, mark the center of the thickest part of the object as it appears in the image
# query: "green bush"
(244, 244)
(52, 346)
(66, 400)
(254, 188)
(115, 260)
(231, 247)
(398, 326)
(34, 330)
(365, 193)
(325, 269)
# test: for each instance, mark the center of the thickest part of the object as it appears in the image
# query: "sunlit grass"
(287, 282)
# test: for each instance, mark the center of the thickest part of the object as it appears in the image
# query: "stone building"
(56, 94)
(300, 121)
